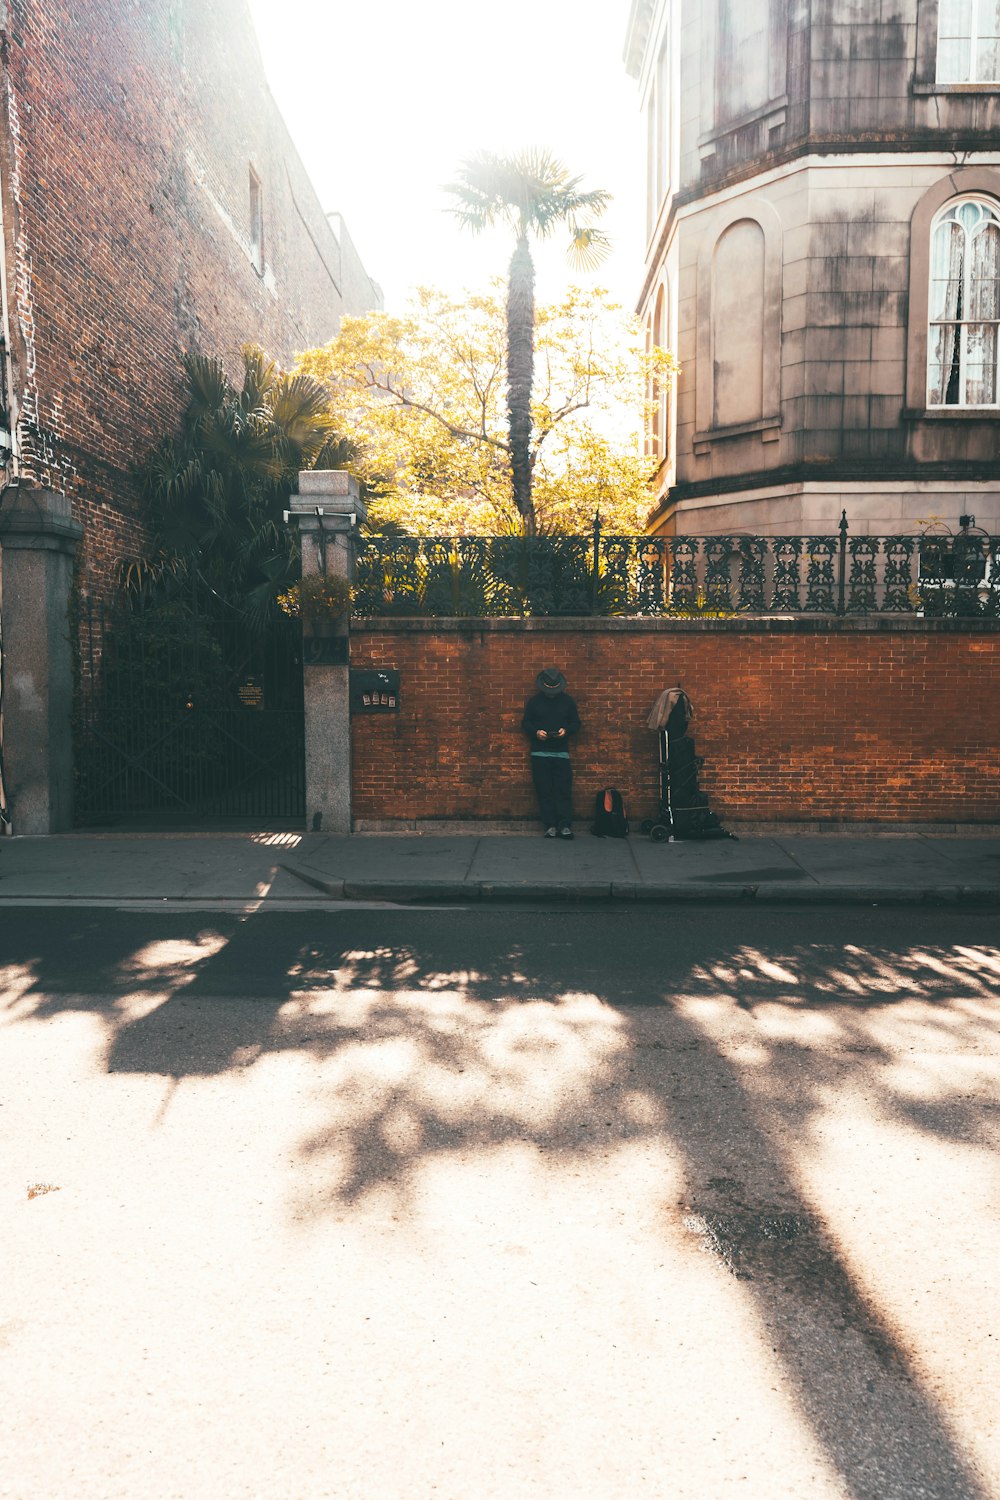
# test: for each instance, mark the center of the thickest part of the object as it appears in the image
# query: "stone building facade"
(153, 203)
(824, 258)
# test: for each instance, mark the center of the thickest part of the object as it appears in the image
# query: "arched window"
(964, 305)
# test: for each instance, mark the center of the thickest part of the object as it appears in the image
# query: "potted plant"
(318, 602)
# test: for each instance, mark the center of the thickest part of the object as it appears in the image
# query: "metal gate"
(183, 716)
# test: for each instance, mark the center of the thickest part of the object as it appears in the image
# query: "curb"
(680, 892)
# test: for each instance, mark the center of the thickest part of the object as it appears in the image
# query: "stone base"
(881, 508)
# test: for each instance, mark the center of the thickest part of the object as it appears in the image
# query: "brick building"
(153, 203)
(824, 257)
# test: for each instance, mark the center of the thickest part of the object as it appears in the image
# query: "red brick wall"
(795, 723)
(127, 132)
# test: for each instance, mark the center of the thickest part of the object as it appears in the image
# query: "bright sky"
(385, 99)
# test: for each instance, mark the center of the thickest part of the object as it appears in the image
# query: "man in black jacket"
(550, 717)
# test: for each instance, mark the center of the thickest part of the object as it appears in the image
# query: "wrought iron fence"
(681, 576)
(183, 716)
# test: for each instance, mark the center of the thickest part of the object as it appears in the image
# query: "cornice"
(637, 35)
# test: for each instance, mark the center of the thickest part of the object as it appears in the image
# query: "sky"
(384, 100)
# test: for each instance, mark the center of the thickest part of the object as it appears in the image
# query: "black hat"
(551, 682)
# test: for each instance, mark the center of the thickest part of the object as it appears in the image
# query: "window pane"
(989, 18)
(942, 372)
(987, 60)
(955, 18)
(744, 27)
(969, 214)
(953, 61)
(984, 293)
(947, 253)
(981, 365)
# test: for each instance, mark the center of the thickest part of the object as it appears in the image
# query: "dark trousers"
(554, 788)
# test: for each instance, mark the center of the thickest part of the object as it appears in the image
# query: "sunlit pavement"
(456, 1204)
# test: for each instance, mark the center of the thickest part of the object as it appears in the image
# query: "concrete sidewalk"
(274, 869)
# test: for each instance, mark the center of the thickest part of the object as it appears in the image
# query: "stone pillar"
(38, 538)
(327, 511)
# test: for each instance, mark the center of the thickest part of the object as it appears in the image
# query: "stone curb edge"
(677, 891)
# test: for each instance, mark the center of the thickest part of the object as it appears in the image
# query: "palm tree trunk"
(520, 375)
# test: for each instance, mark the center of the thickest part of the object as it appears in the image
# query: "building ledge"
(772, 114)
(766, 426)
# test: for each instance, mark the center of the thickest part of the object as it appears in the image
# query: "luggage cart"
(661, 828)
(684, 812)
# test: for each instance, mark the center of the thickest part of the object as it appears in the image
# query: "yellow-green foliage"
(316, 598)
(422, 399)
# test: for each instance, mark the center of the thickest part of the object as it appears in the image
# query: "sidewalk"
(274, 869)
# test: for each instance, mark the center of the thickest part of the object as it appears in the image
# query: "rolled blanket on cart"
(671, 707)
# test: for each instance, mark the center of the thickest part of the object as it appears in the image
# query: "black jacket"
(550, 714)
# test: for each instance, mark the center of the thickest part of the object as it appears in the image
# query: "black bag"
(690, 814)
(610, 817)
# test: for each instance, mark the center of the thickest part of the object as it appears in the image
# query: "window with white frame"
(256, 223)
(659, 413)
(968, 41)
(664, 109)
(964, 305)
(647, 443)
(651, 203)
(743, 64)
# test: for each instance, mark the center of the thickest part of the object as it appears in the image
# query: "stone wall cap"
(29, 513)
(894, 624)
(327, 482)
(334, 492)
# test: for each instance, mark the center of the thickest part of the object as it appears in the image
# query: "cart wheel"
(646, 827)
(659, 833)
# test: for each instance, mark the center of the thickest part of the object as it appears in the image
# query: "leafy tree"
(216, 493)
(421, 398)
(533, 194)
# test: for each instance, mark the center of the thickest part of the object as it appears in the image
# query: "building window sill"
(768, 427)
(955, 88)
(951, 414)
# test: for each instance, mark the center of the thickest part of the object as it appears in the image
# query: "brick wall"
(797, 721)
(127, 135)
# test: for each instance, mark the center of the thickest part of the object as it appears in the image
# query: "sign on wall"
(374, 692)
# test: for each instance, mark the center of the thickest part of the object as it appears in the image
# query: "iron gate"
(182, 715)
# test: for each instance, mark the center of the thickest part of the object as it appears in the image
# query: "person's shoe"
(565, 833)
(550, 833)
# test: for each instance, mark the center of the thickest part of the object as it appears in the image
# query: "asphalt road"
(499, 1203)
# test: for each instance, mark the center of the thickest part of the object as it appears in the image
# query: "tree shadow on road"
(573, 1037)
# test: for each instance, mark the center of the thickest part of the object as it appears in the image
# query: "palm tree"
(216, 494)
(532, 193)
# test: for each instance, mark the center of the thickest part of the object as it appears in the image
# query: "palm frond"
(532, 191)
(588, 247)
(260, 375)
(208, 382)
